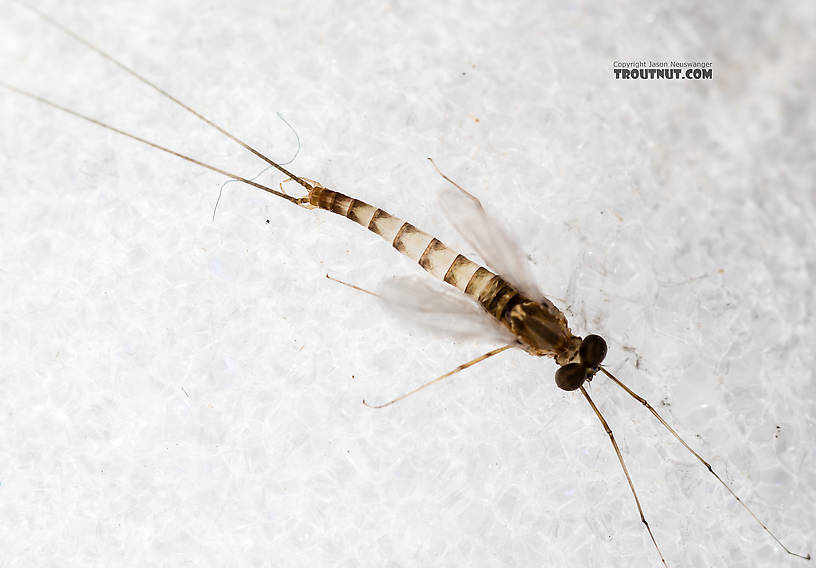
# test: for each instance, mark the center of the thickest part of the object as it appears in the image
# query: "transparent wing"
(489, 239)
(437, 307)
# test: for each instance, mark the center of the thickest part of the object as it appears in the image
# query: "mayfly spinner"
(530, 321)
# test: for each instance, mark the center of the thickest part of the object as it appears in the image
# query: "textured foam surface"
(177, 391)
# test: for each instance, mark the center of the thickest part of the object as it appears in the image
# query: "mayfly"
(502, 292)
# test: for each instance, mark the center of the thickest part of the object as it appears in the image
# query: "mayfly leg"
(654, 412)
(609, 433)
(458, 369)
(352, 286)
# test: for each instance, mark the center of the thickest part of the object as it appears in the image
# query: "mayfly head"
(591, 354)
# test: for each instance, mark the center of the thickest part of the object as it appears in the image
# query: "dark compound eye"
(592, 350)
(570, 377)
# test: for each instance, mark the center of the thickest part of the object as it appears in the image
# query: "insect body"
(536, 325)
(540, 327)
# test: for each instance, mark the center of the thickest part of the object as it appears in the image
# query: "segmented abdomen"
(490, 290)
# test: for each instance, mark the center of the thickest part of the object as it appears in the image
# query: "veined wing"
(440, 308)
(488, 238)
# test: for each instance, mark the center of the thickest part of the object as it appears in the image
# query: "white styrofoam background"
(177, 391)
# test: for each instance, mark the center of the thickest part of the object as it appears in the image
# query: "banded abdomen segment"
(495, 294)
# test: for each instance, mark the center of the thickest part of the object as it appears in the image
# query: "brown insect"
(530, 320)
